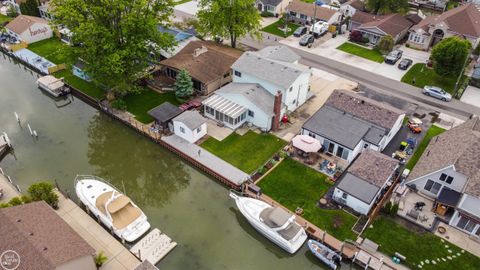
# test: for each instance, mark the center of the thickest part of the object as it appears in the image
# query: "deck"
(207, 159)
(153, 247)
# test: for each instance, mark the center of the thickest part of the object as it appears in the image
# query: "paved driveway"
(471, 96)
(327, 47)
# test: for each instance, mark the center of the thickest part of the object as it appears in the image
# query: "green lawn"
(274, 28)
(293, 185)
(247, 152)
(4, 19)
(417, 247)
(139, 104)
(54, 50)
(373, 55)
(432, 132)
(88, 88)
(426, 76)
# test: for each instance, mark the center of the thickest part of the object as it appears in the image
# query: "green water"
(190, 207)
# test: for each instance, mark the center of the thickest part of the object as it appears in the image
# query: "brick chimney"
(277, 107)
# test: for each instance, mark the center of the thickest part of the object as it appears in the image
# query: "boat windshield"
(121, 209)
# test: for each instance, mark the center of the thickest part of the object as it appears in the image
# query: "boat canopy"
(121, 209)
(275, 217)
(51, 82)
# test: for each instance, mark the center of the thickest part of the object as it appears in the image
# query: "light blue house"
(78, 70)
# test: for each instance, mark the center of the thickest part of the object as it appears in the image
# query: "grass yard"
(417, 247)
(88, 88)
(139, 104)
(274, 28)
(54, 50)
(247, 152)
(431, 132)
(373, 55)
(4, 19)
(295, 185)
(426, 76)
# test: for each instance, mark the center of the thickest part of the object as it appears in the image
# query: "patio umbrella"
(306, 143)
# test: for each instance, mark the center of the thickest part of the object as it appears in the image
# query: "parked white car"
(436, 92)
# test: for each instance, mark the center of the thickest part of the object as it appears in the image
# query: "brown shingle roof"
(308, 9)
(206, 67)
(40, 237)
(365, 108)
(23, 22)
(464, 20)
(373, 167)
(392, 24)
(357, 4)
(460, 147)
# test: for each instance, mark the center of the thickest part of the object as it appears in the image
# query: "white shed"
(190, 125)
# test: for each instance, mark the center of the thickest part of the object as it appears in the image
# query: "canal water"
(187, 205)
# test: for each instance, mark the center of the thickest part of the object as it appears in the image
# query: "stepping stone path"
(427, 261)
(450, 258)
(449, 251)
(446, 246)
(458, 254)
(434, 262)
(443, 259)
(419, 266)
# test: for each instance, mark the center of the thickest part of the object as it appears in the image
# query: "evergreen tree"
(30, 7)
(183, 85)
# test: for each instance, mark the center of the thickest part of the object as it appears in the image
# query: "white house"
(276, 7)
(449, 173)
(349, 8)
(29, 29)
(348, 123)
(190, 125)
(462, 21)
(266, 85)
(362, 184)
(301, 12)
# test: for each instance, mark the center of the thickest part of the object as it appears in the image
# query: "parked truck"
(319, 29)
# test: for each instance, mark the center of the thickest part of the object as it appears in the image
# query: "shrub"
(43, 191)
(365, 40)
(266, 14)
(262, 170)
(119, 104)
(15, 201)
(477, 50)
(355, 36)
(283, 154)
(387, 208)
(100, 259)
(394, 210)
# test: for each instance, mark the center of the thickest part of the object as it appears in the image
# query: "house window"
(291, 88)
(446, 178)
(292, 13)
(344, 195)
(339, 151)
(238, 73)
(311, 134)
(210, 111)
(477, 233)
(443, 177)
(365, 146)
(242, 117)
(199, 129)
(449, 180)
(293, 102)
(226, 74)
(270, 8)
(251, 113)
(182, 130)
(466, 224)
(432, 187)
(345, 154)
(304, 17)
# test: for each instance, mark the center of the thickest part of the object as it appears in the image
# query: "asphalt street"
(373, 81)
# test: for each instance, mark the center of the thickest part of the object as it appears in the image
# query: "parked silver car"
(436, 92)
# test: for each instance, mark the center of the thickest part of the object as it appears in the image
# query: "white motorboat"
(115, 210)
(56, 87)
(275, 223)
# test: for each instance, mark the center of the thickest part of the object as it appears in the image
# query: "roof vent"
(45, 248)
(363, 101)
(199, 51)
(31, 234)
(19, 220)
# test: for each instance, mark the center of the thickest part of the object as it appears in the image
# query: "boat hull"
(88, 190)
(330, 263)
(251, 208)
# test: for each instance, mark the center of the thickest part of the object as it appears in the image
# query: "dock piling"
(30, 129)
(17, 117)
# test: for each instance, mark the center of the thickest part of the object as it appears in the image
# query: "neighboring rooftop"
(279, 53)
(357, 4)
(271, 2)
(253, 92)
(365, 108)
(460, 147)
(392, 24)
(40, 237)
(164, 112)
(367, 175)
(322, 13)
(463, 20)
(22, 22)
(205, 61)
(279, 73)
(192, 119)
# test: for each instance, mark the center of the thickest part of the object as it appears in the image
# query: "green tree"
(229, 19)
(12, 12)
(387, 6)
(449, 56)
(30, 7)
(43, 191)
(183, 84)
(117, 37)
(385, 45)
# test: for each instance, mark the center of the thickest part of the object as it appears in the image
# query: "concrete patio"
(459, 238)
(424, 217)
(217, 132)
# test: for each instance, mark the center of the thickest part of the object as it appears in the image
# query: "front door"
(331, 146)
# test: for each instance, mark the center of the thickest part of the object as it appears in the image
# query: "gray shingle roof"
(459, 146)
(192, 119)
(271, 2)
(164, 112)
(358, 188)
(279, 53)
(253, 92)
(340, 127)
(276, 72)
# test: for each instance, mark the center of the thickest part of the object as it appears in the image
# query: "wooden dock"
(5, 144)
(153, 247)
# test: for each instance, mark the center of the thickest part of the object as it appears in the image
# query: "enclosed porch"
(225, 112)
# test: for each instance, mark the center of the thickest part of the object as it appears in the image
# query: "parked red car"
(190, 105)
